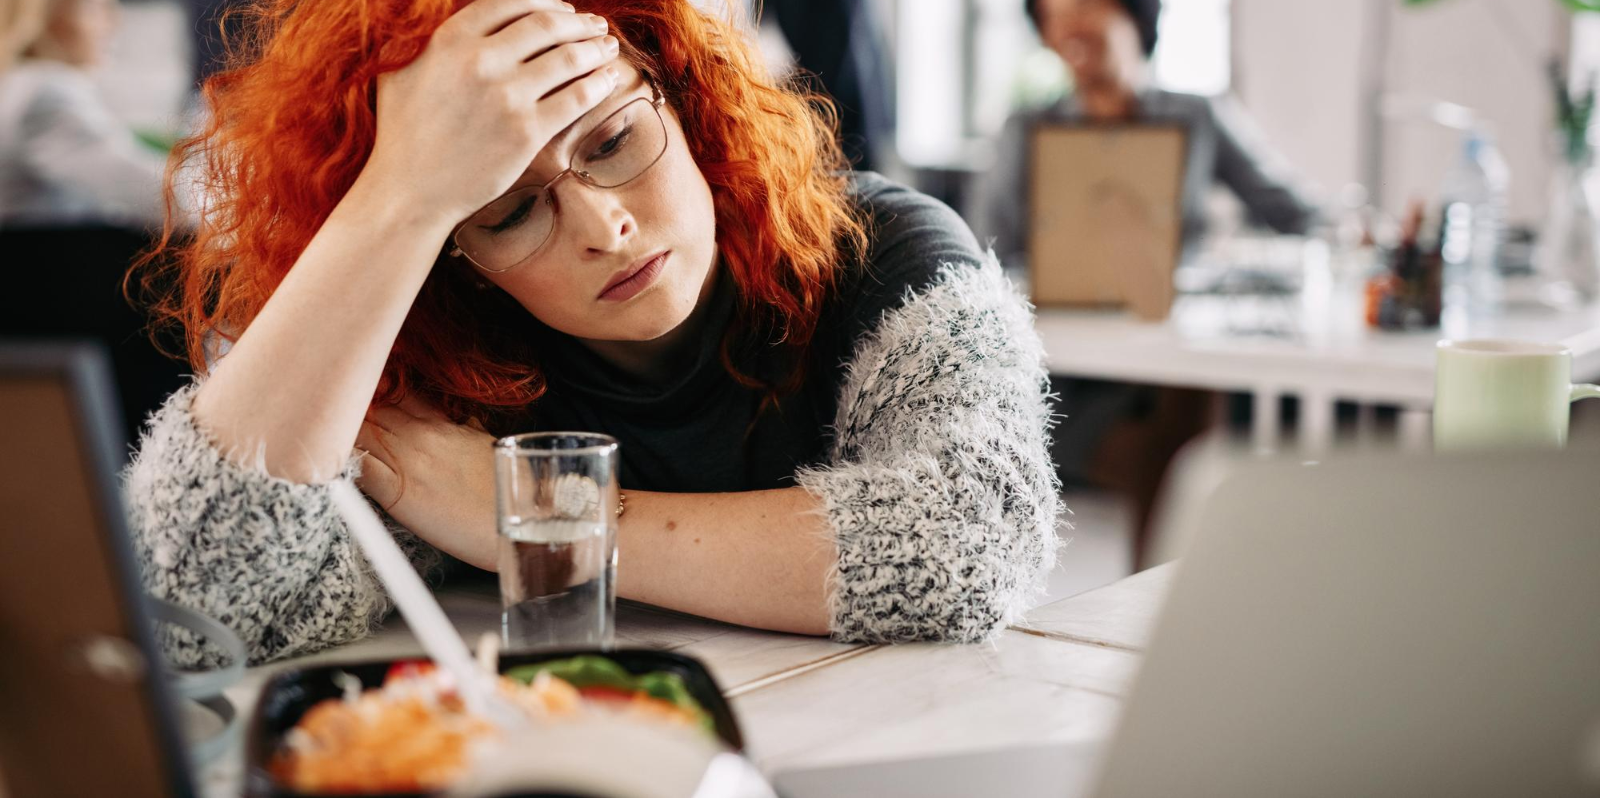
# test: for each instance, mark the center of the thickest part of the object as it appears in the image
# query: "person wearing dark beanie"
(1107, 44)
(1146, 16)
(1115, 436)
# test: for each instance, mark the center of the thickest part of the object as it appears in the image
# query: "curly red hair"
(294, 122)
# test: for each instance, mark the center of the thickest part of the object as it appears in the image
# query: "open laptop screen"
(84, 708)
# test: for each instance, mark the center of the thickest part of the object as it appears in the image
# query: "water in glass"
(557, 582)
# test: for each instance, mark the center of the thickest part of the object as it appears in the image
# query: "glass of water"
(556, 502)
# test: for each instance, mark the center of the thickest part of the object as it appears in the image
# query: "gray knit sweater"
(937, 485)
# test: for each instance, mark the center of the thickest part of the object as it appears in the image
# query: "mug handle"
(1585, 392)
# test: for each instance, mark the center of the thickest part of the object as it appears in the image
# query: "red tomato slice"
(604, 694)
(409, 669)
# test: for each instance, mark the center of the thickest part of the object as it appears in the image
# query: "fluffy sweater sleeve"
(269, 558)
(939, 488)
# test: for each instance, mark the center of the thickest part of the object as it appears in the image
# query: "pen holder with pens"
(1408, 292)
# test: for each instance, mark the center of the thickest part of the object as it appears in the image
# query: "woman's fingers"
(538, 33)
(484, 17)
(579, 97)
(379, 481)
(418, 409)
(391, 419)
(379, 478)
(473, 100)
(570, 62)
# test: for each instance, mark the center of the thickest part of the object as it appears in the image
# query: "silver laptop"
(1379, 626)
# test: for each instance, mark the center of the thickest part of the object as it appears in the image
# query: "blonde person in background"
(65, 159)
(20, 22)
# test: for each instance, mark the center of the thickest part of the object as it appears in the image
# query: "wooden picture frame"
(1105, 205)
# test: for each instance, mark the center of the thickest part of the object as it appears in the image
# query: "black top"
(689, 436)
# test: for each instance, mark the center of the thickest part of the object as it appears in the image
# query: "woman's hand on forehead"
(487, 17)
(561, 152)
(561, 144)
(495, 85)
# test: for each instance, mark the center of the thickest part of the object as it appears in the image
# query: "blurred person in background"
(1116, 436)
(79, 195)
(20, 22)
(65, 159)
(1107, 45)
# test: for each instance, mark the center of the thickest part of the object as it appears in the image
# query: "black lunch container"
(288, 695)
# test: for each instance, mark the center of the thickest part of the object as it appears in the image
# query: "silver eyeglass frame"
(656, 100)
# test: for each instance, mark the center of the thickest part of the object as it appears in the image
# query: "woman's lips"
(638, 279)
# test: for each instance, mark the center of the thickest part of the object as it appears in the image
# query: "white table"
(1058, 676)
(1330, 357)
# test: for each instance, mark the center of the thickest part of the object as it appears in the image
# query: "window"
(963, 65)
(1192, 53)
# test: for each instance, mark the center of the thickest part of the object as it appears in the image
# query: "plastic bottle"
(1473, 226)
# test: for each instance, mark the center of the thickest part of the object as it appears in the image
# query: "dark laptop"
(85, 708)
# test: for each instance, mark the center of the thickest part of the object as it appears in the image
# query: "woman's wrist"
(383, 203)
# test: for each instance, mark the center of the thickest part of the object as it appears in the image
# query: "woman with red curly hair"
(429, 224)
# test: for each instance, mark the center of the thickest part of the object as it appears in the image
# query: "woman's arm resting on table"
(934, 519)
(267, 557)
(760, 558)
(941, 494)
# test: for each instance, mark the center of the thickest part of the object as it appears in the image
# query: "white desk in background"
(1059, 675)
(1322, 354)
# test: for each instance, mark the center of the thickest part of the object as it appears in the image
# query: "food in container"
(401, 729)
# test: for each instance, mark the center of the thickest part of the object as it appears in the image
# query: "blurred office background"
(1327, 82)
(1337, 88)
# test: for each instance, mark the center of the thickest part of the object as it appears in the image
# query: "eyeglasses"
(505, 232)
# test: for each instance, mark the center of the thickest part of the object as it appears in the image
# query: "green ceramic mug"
(1503, 394)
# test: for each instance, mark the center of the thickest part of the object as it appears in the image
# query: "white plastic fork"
(424, 615)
